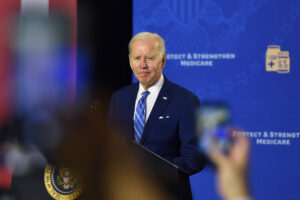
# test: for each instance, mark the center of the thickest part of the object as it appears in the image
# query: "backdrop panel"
(247, 54)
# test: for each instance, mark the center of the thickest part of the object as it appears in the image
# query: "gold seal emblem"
(61, 183)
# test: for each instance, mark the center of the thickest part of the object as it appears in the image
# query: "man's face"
(145, 62)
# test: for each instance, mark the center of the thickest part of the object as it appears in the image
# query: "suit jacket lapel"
(160, 105)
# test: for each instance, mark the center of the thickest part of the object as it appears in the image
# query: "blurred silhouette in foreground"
(106, 166)
(109, 168)
(51, 128)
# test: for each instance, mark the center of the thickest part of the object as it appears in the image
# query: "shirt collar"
(154, 88)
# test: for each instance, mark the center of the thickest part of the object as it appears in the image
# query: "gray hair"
(146, 36)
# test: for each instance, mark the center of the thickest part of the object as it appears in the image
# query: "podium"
(167, 175)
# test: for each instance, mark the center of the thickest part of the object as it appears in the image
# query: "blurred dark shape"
(108, 166)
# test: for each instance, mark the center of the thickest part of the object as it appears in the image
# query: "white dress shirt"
(150, 100)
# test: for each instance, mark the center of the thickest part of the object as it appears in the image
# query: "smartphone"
(213, 130)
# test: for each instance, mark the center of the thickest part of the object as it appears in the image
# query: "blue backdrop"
(224, 50)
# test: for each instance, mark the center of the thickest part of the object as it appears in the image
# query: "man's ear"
(164, 59)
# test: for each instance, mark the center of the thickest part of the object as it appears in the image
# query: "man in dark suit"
(155, 112)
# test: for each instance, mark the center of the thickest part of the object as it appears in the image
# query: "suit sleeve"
(188, 160)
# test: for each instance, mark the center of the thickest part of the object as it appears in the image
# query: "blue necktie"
(140, 116)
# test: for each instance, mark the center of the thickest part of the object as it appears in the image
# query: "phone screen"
(213, 127)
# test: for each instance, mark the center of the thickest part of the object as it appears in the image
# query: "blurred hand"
(232, 170)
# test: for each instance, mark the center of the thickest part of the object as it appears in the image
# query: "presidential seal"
(61, 183)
